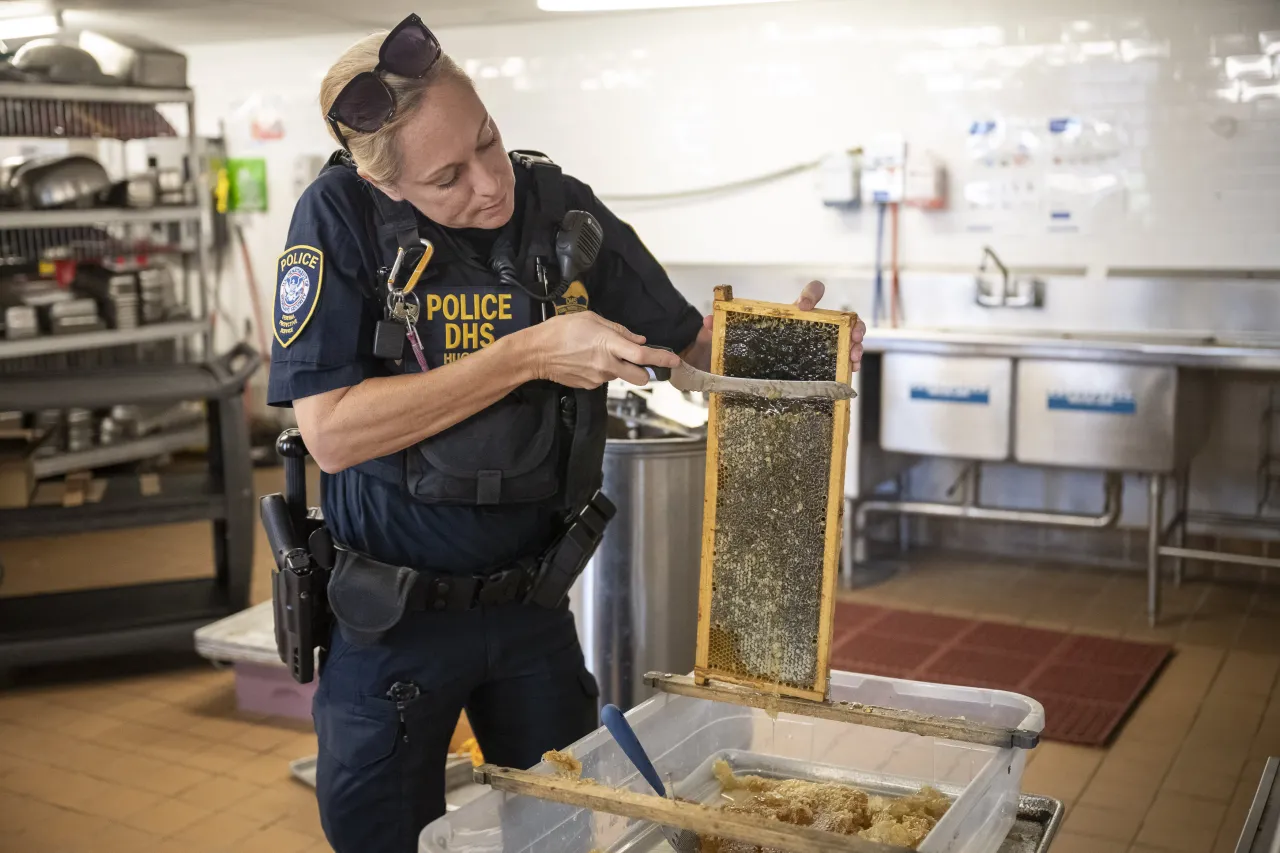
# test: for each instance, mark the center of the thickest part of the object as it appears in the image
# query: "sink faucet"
(1012, 292)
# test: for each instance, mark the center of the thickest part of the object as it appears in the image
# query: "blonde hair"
(377, 154)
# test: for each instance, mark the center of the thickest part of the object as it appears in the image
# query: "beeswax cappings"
(829, 806)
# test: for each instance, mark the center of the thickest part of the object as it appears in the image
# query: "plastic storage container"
(271, 690)
(683, 735)
(263, 683)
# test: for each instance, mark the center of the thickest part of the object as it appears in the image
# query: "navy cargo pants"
(517, 669)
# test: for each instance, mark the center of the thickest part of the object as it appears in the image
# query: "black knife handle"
(657, 374)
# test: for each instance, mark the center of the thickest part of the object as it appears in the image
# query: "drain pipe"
(969, 509)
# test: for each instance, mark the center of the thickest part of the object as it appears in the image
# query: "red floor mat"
(1088, 685)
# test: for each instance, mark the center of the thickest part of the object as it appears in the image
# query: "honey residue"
(829, 806)
(566, 766)
(471, 747)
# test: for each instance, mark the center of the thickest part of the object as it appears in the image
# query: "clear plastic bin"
(263, 684)
(682, 735)
(270, 689)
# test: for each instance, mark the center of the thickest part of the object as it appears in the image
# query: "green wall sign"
(247, 185)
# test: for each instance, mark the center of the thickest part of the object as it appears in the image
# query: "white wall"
(1182, 99)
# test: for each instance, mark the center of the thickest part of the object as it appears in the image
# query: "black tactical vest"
(543, 442)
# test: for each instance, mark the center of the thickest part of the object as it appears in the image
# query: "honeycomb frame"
(818, 571)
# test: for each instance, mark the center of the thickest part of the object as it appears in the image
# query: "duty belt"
(432, 591)
(544, 580)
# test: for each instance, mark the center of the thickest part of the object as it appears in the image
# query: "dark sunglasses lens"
(410, 51)
(364, 104)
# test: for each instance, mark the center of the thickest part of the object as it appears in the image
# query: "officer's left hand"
(809, 298)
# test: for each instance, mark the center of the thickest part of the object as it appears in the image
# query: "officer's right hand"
(584, 350)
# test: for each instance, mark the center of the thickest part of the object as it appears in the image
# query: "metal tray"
(1034, 827)
(457, 771)
(1033, 830)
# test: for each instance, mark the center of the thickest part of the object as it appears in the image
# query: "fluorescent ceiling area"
(623, 5)
(183, 22)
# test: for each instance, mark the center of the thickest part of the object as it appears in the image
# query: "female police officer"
(460, 470)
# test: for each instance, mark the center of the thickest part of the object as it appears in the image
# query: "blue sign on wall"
(1103, 402)
(951, 394)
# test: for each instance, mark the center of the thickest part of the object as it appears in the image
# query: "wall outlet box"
(925, 182)
(839, 177)
(884, 170)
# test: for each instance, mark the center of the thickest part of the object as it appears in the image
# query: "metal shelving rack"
(119, 619)
(1269, 455)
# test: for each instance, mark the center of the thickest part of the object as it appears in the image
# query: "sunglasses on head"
(366, 103)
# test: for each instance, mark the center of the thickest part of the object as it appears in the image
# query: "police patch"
(574, 300)
(299, 273)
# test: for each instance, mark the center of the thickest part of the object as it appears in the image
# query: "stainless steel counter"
(1226, 351)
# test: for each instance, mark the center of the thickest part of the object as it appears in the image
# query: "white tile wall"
(1184, 97)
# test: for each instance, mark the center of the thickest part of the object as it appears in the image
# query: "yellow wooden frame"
(724, 304)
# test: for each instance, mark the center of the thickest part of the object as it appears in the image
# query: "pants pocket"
(372, 772)
(358, 736)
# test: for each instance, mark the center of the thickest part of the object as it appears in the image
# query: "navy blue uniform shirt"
(325, 314)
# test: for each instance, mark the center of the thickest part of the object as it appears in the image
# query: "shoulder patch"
(299, 274)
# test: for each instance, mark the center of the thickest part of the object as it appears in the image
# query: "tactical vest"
(543, 442)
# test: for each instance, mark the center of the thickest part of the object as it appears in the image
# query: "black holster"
(304, 555)
(566, 559)
(299, 598)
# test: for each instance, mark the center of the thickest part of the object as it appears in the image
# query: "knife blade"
(689, 378)
(686, 377)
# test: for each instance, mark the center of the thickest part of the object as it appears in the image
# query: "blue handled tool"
(681, 840)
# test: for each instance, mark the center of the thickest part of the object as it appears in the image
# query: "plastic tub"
(271, 690)
(263, 684)
(682, 734)
(248, 636)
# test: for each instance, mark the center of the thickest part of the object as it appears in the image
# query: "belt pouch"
(368, 598)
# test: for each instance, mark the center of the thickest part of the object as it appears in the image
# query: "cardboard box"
(16, 477)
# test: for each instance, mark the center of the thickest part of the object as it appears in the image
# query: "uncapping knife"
(689, 378)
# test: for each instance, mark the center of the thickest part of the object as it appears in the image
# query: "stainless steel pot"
(636, 604)
(53, 182)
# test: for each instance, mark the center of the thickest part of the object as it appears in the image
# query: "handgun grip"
(277, 521)
(294, 451)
